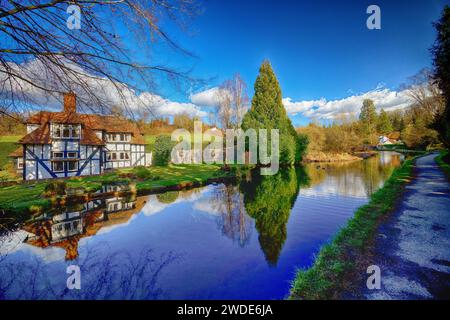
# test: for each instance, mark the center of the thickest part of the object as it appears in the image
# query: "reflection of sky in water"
(200, 244)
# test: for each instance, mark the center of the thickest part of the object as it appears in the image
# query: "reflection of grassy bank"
(336, 264)
(21, 197)
(443, 160)
(318, 156)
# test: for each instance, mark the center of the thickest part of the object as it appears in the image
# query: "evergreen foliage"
(163, 149)
(441, 60)
(267, 112)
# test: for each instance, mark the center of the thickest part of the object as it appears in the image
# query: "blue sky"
(319, 49)
(326, 59)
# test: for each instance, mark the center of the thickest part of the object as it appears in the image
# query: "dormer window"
(118, 137)
(65, 131)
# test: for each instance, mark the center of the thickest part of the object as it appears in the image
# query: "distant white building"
(383, 140)
(67, 143)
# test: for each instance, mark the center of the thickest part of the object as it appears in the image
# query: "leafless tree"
(233, 102)
(424, 91)
(41, 57)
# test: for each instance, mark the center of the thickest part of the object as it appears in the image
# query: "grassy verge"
(7, 145)
(442, 161)
(336, 265)
(21, 197)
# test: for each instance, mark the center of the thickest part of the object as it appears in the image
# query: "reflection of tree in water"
(119, 275)
(233, 220)
(269, 200)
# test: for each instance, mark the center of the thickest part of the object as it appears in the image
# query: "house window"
(71, 154)
(57, 155)
(71, 165)
(57, 132)
(58, 166)
(111, 156)
(19, 163)
(65, 131)
(75, 132)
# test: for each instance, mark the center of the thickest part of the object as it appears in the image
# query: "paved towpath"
(413, 247)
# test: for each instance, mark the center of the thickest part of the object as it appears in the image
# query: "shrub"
(35, 210)
(142, 173)
(163, 149)
(55, 188)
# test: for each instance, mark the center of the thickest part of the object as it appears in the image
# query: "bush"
(142, 173)
(163, 149)
(55, 188)
(302, 146)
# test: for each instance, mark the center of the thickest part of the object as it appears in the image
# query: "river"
(224, 241)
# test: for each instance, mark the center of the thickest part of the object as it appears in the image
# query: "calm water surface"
(241, 241)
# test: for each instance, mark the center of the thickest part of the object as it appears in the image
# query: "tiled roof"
(16, 153)
(59, 117)
(88, 137)
(89, 122)
(113, 124)
(39, 136)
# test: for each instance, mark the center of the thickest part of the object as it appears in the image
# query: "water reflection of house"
(65, 229)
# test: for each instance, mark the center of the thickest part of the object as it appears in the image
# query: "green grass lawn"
(7, 145)
(150, 142)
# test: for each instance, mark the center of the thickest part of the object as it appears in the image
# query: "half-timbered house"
(67, 143)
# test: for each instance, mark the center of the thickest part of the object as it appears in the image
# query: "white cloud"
(207, 98)
(166, 107)
(111, 93)
(322, 109)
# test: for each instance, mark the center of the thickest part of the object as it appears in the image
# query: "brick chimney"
(70, 102)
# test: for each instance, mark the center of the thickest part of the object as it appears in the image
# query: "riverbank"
(23, 196)
(318, 156)
(338, 263)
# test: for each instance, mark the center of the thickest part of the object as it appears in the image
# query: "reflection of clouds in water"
(14, 242)
(107, 229)
(155, 206)
(352, 186)
(209, 207)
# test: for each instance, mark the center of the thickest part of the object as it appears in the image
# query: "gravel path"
(413, 247)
